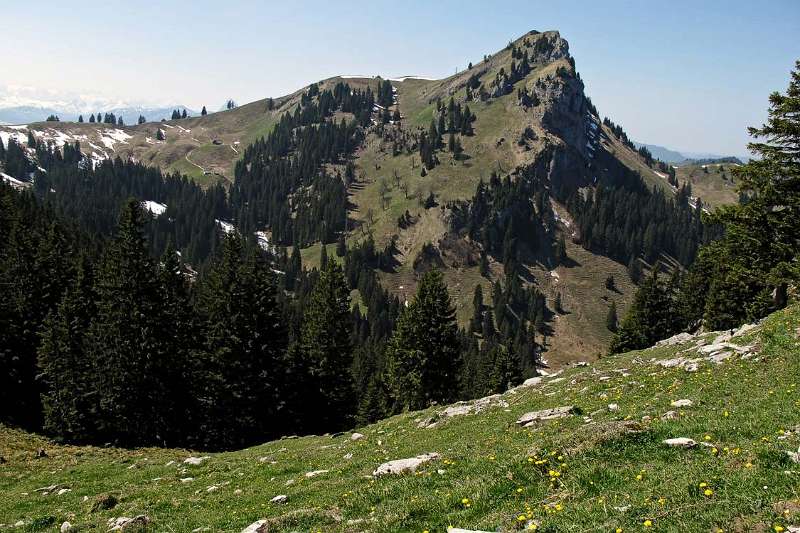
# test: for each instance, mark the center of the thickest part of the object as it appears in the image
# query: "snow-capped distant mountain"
(23, 105)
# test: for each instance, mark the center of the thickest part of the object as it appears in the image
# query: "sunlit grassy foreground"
(604, 469)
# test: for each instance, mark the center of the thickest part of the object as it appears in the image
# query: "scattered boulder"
(531, 382)
(40, 453)
(196, 460)
(680, 338)
(66, 527)
(669, 415)
(281, 498)
(745, 329)
(794, 456)
(682, 403)
(255, 527)
(680, 442)
(613, 407)
(402, 466)
(464, 408)
(124, 523)
(356, 436)
(529, 419)
(316, 473)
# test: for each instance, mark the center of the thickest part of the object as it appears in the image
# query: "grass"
(565, 475)
(714, 184)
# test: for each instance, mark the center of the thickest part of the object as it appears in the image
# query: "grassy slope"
(607, 477)
(715, 184)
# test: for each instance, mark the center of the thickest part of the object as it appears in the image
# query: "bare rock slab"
(680, 442)
(528, 419)
(403, 466)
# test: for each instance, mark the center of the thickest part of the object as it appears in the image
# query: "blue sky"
(688, 75)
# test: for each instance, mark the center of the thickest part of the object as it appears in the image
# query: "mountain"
(129, 114)
(601, 465)
(664, 154)
(675, 157)
(24, 105)
(528, 123)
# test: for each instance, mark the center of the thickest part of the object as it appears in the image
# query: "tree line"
(747, 272)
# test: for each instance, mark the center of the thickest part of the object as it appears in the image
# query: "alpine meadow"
(467, 304)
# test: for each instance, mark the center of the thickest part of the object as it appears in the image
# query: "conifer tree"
(653, 316)
(240, 374)
(423, 356)
(203, 112)
(327, 351)
(66, 373)
(611, 318)
(126, 338)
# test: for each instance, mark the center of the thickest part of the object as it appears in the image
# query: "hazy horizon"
(653, 70)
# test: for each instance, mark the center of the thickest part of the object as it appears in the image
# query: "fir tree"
(239, 375)
(126, 339)
(611, 318)
(69, 400)
(327, 351)
(423, 355)
(203, 112)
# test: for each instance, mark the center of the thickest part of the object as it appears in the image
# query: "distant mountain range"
(675, 157)
(130, 114)
(24, 105)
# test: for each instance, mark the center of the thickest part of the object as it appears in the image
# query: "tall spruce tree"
(67, 376)
(653, 315)
(424, 354)
(327, 352)
(126, 339)
(239, 375)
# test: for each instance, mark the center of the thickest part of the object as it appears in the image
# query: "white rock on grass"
(613, 407)
(281, 498)
(459, 530)
(65, 527)
(196, 460)
(117, 524)
(402, 466)
(316, 473)
(794, 456)
(528, 419)
(745, 329)
(255, 527)
(356, 436)
(680, 338)
(682, 403)
(680, 442)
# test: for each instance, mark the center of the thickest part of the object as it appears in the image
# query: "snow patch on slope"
(154, 207)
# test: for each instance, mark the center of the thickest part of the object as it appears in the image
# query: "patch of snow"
(154, 207)
(111, 137)
(263, 241)
(14, 182)
(19, 138)
(227, 227)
